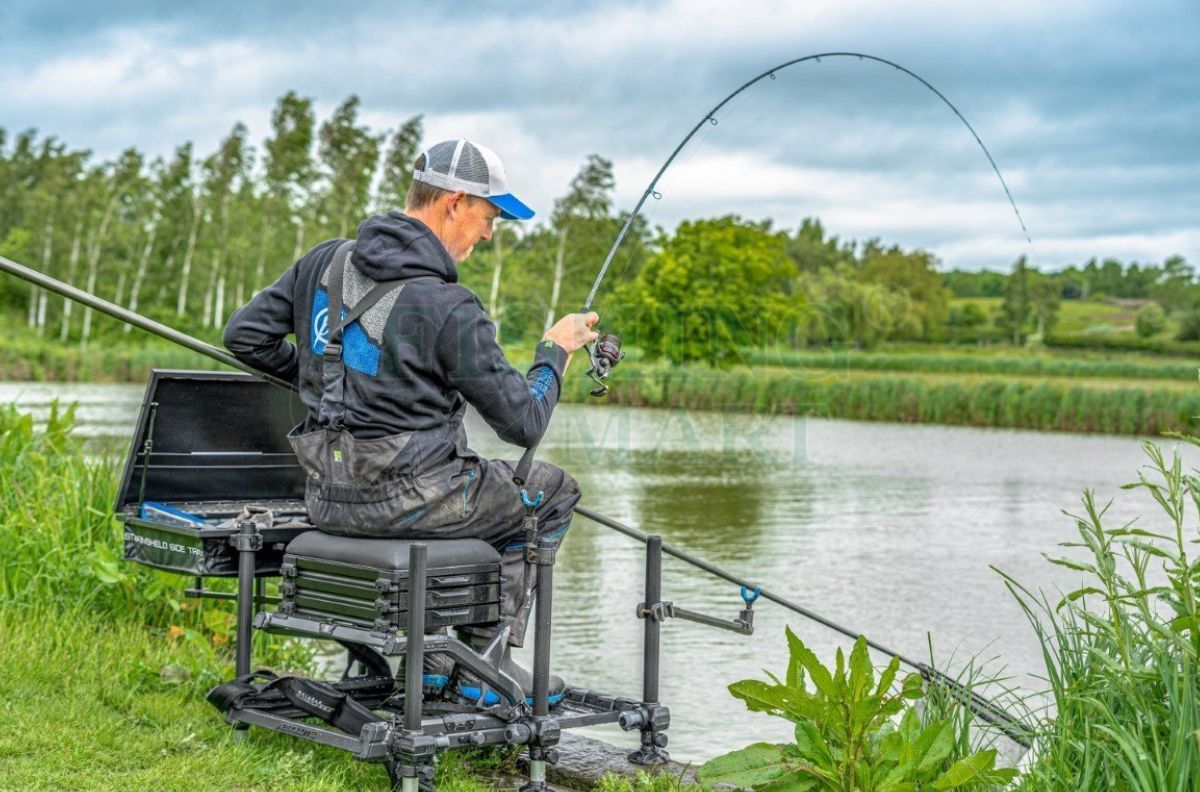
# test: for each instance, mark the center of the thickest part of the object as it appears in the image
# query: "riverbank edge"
(994, 402)
(982, 400)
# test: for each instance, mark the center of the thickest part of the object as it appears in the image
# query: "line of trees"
(187, 238)
(1030, 299)
(1171, 284)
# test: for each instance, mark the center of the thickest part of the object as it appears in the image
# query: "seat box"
(207, 444)
(364, 582)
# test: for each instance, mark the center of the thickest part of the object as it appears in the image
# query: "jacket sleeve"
(257, 332)
(517, 406)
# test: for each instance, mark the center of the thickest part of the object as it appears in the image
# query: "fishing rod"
(711, 118)
(987, 711)
(984, 708)
(605, 353)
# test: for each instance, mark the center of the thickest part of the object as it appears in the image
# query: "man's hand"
(573, 331)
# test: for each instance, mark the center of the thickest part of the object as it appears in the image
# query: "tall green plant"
(854, 733)
(1122, 649)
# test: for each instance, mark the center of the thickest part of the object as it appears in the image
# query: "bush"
(968, 315)
(1189, 327)
(1150, 320)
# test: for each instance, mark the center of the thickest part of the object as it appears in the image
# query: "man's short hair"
(421, 194)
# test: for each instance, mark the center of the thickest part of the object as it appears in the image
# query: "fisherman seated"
(391, 349)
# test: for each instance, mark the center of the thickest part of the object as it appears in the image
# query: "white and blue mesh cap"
(462, 165)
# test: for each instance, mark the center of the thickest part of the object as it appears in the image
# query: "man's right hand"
(573, 331)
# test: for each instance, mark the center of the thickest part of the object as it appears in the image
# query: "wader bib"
(352, 488)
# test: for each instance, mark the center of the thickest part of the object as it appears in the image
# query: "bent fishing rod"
(985, 709)
(711, 118)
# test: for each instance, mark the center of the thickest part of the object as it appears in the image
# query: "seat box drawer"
(361, 590)
(323, 606)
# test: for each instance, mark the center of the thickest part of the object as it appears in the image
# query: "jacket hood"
(394, 245)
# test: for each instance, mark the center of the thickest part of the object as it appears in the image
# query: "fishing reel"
(605, 353)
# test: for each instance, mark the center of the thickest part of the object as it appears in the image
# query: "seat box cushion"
(392, 554)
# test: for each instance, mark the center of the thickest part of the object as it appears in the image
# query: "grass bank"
(943, 360)
(44, 360)
(104, 705)
(105, 665)
(1121, 394)
(995, 402)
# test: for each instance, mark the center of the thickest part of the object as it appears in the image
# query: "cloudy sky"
(1091, 109)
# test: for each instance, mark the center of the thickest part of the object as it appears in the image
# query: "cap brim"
(510, 207)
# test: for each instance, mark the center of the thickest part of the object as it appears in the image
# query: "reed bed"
(948, 362)
(1053, 406)
(34, 360)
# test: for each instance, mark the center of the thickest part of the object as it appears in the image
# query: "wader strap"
(332, 413)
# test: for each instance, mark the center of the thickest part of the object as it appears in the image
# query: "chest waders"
(348, 491)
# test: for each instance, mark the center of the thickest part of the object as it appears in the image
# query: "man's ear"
(454, 202)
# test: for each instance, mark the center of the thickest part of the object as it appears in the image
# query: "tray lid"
(214, 436)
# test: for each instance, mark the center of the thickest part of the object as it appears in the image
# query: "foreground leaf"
(976, 767)
(752, 766)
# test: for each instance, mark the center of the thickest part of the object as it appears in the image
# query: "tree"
(584, 210)
(402, 152)
(1016, 308)
(1189, 326)
(349, 155)
(813, 251)
(1044, 299)
(120, 182)
(714, 287)
(842, 308)
(969, 315)
(1176, 289)
(914, 273)
(288, 178)
(1150, 320)
(223, 173)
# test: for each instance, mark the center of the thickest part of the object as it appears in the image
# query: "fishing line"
(771, 74)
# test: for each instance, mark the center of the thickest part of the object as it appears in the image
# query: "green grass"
(949, 360)
(87, 705)
(1123, 649)
(1056, 405)
(105, 666)
(105, 360)
(1084, 317)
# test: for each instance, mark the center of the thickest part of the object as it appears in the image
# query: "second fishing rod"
(980, 706)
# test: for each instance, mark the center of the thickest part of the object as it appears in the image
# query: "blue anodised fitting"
(532, 503)
(749, 596)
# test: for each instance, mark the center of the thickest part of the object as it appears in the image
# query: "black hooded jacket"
(414, 361)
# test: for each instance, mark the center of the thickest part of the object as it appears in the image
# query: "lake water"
(888, 529)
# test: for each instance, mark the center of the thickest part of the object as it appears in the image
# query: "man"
(390, 351)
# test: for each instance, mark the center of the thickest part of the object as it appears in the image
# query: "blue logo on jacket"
(358, 352)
